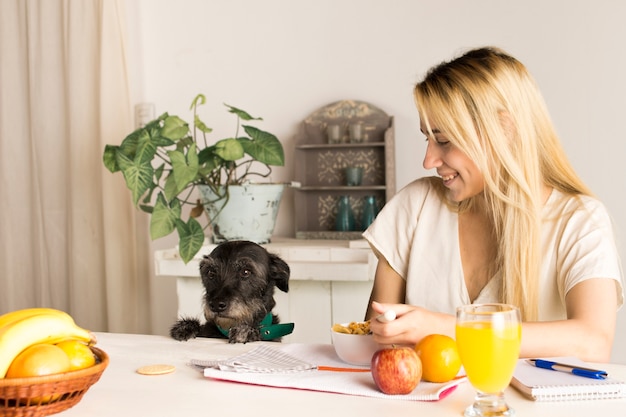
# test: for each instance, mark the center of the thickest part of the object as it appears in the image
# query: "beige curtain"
(69, 235)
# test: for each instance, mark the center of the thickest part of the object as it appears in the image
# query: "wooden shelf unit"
(320, 167)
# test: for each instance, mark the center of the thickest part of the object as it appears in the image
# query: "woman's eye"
(438, 141)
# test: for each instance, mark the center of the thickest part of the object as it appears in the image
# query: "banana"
(13, 316)
(39, 328)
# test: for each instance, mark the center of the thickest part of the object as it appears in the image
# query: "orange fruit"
(79, 353)
(37, 360)
(440, 358)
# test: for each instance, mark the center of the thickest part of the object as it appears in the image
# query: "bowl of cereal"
(353, 342)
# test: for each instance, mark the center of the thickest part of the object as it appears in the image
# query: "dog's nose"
(219, 306)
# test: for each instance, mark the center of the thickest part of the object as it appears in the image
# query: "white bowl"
(355, 349)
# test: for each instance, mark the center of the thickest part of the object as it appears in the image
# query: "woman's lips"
(449, 178)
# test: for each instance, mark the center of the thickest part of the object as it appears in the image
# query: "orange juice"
(489, 353)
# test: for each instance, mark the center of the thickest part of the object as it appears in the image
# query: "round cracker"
(158, 369)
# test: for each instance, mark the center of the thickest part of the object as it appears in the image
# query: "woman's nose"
(432, 158)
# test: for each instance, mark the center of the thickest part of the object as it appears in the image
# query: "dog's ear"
(206, 268)
(279, 272)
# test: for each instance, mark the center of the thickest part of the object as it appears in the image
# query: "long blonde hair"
(489, 106)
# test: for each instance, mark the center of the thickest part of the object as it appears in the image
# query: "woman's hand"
(411, 325)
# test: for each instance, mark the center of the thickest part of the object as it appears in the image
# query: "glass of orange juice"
(488, 337)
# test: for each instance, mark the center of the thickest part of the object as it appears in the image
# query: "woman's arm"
(412, 323)
(587, 333)
(389, 287)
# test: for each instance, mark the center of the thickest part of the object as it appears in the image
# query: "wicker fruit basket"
(50, 394)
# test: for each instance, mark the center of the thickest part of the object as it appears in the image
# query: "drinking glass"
(488, 337)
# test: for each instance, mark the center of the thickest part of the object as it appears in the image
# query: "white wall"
(282, 59)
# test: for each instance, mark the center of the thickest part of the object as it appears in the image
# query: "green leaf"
(191, 238)
(148, 196)
(156, 137)
(200, 125)
(164, 217)
(159, 172)
(108, 158)
(138, 176)
(229, 149)
(170, 189)
(264, 147)
(128, 146)
(208, 156)
(174, 128)
(184, 168)
(146, 149)
(197, 101)
(185, 142)
(243, 115)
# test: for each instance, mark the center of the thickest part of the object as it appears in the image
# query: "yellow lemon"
(440, 358)
(79, 354)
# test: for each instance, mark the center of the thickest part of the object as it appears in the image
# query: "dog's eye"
(245, 273)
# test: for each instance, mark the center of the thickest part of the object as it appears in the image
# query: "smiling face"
(458, 172)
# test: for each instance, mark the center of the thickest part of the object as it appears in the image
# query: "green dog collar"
(268, 330)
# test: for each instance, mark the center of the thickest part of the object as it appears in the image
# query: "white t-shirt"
(417, 234)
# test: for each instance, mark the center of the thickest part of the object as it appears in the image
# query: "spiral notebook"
(547, 385)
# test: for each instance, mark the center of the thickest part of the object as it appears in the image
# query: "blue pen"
(570, 369)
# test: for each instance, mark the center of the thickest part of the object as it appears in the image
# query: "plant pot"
(248, 213)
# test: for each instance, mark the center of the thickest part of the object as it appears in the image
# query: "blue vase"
(345, 217)
(370, 210)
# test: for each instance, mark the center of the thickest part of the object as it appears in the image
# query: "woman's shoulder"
(577, 206)
(560, 199)
(423, 192)
(419, 196)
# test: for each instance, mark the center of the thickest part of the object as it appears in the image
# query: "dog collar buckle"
(274, 331)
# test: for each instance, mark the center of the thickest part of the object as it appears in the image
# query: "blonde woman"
(506, 220)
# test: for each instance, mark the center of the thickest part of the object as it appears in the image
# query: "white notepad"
(289, 366)
(546, 385)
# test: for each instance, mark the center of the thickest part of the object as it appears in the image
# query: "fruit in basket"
(39, 360)
(440, 358)
(17, 315)
(396, 370)
(79, 354)
(47, 327)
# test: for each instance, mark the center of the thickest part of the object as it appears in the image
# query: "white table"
(122, 392)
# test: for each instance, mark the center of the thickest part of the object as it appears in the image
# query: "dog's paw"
(243, 334)
(185, 329)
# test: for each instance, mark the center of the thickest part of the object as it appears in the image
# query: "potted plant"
(165, 161)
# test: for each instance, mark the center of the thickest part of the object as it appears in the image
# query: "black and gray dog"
(239, 279)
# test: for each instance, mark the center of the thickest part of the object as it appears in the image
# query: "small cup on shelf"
(356, 132)
(334, 133)
(354, 176)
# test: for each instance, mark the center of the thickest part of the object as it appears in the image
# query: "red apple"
(396, 370)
